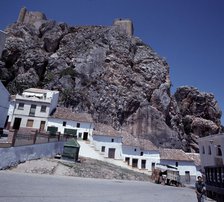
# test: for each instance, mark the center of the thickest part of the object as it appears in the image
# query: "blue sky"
(188, 33)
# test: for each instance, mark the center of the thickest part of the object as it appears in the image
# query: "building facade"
(211, 150)
(68, 122)
(107, 141)
(178, 159)
(4, 105)
(33, 108)
(139, 153)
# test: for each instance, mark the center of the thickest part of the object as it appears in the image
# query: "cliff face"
(109, 73)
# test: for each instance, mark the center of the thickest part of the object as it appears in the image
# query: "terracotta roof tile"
(195, 157)
(106, 130)
(130, 140)
(174, 154)
(68, 114)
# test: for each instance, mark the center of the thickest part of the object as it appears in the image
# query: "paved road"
(17, 187)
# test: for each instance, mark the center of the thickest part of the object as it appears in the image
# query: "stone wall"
(14, 155)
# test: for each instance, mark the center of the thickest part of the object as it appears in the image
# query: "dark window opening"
(78, 125)
(112, 140)
(176, 164)
(103, 149)
(43, 108)
(135, 149)
(219, 151)
(64, 123)
(203, 150)
(141, 154)
(209, 150)
(21, 106)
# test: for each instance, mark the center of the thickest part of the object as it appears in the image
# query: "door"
(187, 176)
(134, 163)
(111, 153)
(143, 164)
(16, 124)
(85, 136)
(42, 125)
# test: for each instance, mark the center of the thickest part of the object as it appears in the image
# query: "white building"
(177, 158)
(4, 105)
(68, 122)
(211, 150)
(33, 107)
(139, 153)
(108, 141)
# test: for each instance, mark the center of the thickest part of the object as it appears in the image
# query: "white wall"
(99, 141)
(36, 121)
(26, 110)
(54, 100)
(182, 166)
(135, 153)
(84, 126)
(4, 104)
(208, 159)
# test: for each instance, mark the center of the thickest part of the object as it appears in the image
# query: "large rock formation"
(108, 72)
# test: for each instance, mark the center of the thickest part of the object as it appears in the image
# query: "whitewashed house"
(108, 141)
(4, 105)
(68, 122)
(211, 150)
(33, 107)
(139, 153)
(177, 158)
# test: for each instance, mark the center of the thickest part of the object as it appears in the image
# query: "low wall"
(14, 155)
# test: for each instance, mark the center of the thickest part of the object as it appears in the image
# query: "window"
(80, 135)
(21, 106)
(209, 150)
(135, 149)
(203, 150)
(141, 154)
(43, 108)
(176, 164)
(219, 151)
(103, 149)
(64, 123)
(29, 123)
(112, 140)
(78, 125)
(32, 110)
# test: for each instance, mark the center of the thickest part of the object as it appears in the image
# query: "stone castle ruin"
(31, 17)
(126, 25)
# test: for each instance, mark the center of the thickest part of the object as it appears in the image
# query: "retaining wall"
(14, 155)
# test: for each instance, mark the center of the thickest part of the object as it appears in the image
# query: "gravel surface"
(89, 168)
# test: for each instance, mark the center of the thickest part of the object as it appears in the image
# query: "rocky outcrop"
(108, 72)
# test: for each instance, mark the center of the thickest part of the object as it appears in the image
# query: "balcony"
(33, 98)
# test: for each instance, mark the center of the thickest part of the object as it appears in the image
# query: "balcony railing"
(215, 176)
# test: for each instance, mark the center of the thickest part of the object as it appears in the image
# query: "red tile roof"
(68, 114)
(195, 157)
(173, 154)
(106, 130)
(130, 140)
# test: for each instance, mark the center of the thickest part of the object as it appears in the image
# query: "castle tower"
(125, 24)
